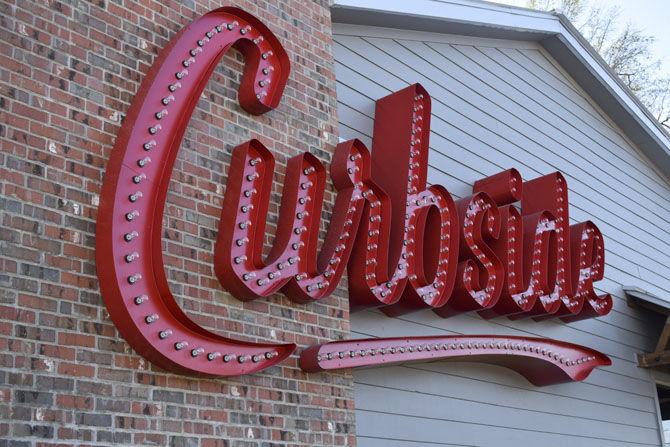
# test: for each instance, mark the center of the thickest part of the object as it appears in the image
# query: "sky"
(652, 16)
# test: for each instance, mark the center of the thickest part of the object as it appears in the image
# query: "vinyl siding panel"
(501, 104)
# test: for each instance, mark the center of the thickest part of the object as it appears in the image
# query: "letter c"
(128, 236)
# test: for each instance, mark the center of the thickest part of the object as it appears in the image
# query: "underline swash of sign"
(405, 246)
(541, 361)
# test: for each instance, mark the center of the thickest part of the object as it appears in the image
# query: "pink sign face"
(406, 246)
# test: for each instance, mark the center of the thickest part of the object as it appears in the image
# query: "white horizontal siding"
(496, 105)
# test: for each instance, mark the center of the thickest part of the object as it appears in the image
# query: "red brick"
(61, 107)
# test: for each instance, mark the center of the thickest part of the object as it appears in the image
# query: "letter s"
(128, 236)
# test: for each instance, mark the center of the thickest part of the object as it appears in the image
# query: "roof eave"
(553, 31)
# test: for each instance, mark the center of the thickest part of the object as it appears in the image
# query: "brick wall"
(68, 71)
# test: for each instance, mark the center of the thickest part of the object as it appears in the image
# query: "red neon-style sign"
(406, 246)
